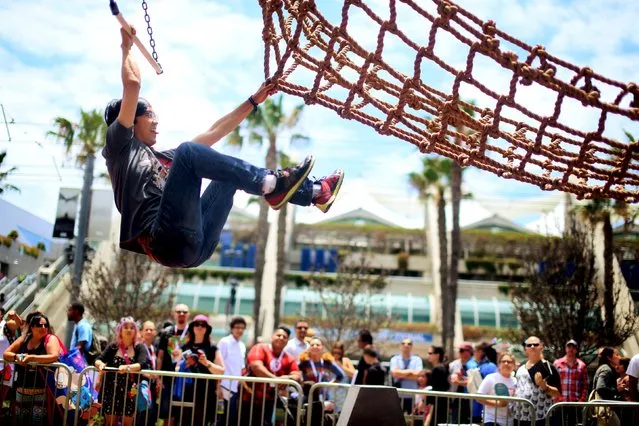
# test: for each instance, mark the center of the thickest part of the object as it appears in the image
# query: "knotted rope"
(541, 149)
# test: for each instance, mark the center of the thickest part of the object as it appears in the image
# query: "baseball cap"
(466, 346)
(572, 342)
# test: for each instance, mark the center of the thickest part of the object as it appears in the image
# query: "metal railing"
(572, 413)
(19, 292)
(39, 392)
(192, 398)
(412, 415)
(45, 291)
(76, 398)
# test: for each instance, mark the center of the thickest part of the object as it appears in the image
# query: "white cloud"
(59, 57)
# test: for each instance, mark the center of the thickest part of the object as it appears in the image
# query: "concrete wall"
(19, 263)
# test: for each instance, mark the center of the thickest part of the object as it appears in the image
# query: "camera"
(190, 354)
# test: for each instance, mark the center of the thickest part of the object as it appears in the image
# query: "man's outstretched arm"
(226, 124)
(131, 81)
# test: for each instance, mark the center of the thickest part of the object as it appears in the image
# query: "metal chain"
(149, 30)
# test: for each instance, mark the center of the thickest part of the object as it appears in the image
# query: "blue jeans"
(187, 228)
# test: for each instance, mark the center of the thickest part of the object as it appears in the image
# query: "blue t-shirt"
(413, 363)
(82, 333)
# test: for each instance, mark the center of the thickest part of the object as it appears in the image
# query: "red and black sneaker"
(288, 181)
(330, 187)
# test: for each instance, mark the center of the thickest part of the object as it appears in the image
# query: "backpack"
(92, 348)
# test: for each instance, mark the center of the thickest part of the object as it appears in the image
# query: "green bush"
(13, 234)
(6, 241)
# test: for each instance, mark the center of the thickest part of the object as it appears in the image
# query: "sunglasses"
(532, 345)
(40, 325)
(182, 312)
(505, 361)
(200, 324)
(302, 328)
(407, 344)
(152, 115)
(431, 353)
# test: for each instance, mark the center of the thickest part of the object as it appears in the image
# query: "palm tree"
(265, 125)
(433, 181)
(601, 210)
(455, 236)
(284, 161)
(5, 174)
(88, 136)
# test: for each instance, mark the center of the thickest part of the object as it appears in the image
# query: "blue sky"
(59, 57)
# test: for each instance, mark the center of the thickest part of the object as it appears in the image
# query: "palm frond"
(294, 117)
(468, 110)
(256, 137)
(8, 187)
(284, 160)
(629, 135)
(65, 132)
(89, 134)
(299, 139)
(235, 138)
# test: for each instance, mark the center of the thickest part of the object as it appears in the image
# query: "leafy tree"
(126, 284)
(84, 139)
(560, 299)
(265, 125)
(433, 181)
(345, 303)
(455, 237)
(284, 161)
(88, 134)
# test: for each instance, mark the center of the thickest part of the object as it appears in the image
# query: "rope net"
(324, 64)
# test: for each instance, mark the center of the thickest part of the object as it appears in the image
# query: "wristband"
(252, 101)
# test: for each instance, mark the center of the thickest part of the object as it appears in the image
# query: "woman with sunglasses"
(200, 356)
(32, 405)
(501, 383)
(119, 389)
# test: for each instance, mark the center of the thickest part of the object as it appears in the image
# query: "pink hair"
(118, 330)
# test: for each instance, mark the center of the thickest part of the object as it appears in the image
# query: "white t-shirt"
(633, 368)
(487, 387)
(233, 353)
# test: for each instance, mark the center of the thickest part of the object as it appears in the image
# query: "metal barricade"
(192, 398)
(444, 409)
(576, 413)
(37, 394)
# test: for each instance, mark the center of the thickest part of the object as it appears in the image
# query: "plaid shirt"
(574, 380)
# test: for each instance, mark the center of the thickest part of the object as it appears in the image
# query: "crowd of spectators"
(185, 346)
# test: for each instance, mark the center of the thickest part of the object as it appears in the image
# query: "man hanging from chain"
(158, 193)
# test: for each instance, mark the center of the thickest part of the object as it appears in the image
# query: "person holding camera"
(198, 355)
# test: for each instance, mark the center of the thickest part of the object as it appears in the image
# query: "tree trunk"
(83, 230)
(281, 261)
(260, 251)
(455, 248)
(443, 266)
(609, 284)
(262, 235)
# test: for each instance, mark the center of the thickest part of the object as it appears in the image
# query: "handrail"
(46, 290)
